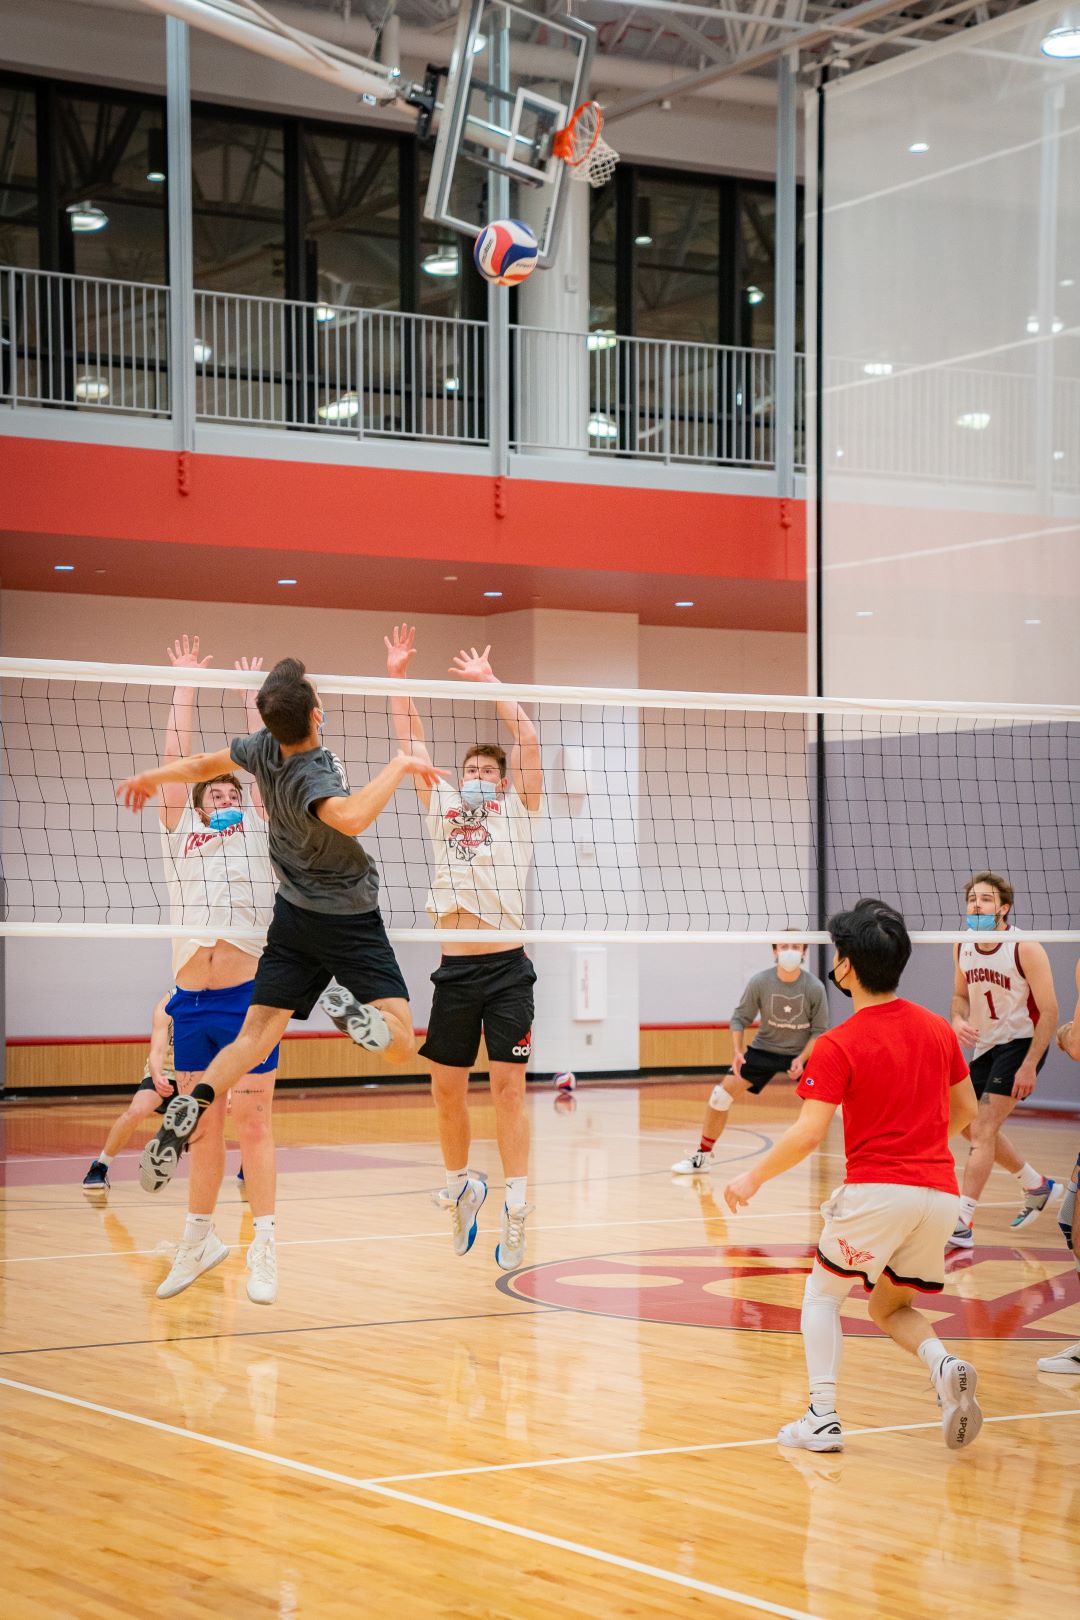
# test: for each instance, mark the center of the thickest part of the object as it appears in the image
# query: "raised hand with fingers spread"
(472, 665)
(400, 650)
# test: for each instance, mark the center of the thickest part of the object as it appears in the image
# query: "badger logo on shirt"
(467, 832)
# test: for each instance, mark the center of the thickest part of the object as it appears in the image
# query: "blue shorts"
(204, 1021)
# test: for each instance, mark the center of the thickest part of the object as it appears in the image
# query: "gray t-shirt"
(318, 868)
(789, 1013)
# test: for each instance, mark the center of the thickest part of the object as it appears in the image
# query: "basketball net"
(582, 147)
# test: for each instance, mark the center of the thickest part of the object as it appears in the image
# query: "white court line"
(684, 1451)
(409, 1237)
(375, 1488)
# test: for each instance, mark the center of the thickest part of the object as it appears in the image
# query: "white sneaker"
(1063, 1361)
(463, 1211)
(963, 1237)
(510, 1249)
(813, 1432)
(961, 1415)
(192, 1259)
(262, 1264)
(363, 1024)
(695, 1161)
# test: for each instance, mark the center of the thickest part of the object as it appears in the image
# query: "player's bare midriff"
(465, 919)
(217, 967)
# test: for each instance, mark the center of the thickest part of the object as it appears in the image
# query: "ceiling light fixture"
(63, 568)
(918, 147)
(342, 409)
(977, 421)
(286, 582)
(602, 427)
(443, 262)
(602, 339)
(684, 604)
(864, 613)
(203, 352)
(324, 314)
(754, 295)
(643, 235)
(450, 579)
(451, 385)
(91, 389)
(86, 217)
(155, 157)
(1033, 621)
(878, 368)
(1062, 44)
(1068, 282)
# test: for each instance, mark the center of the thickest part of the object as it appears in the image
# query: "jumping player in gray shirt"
(793, 1010)
(326, 920)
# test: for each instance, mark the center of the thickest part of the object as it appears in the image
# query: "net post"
(498, 369)
(820, 778)
(786, 208)
(181, 247)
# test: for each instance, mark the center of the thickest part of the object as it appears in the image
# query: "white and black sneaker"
(961, 1415)
(694, 1162)
(1064, 1361)
(161, 1155)
(814, 1432)
(363, 1024)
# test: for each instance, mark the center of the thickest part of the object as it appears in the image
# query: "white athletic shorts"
(874, 1227)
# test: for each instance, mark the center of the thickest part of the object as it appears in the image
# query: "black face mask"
(840, 987)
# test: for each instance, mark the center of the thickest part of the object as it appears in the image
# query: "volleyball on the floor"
(565, 1081)
(505, 252)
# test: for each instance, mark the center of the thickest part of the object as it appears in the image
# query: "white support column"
(554, 399)
(181, 257)
(786, 231)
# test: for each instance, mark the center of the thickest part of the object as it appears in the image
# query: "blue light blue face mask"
(222, 820)
(474, 794)
(980, 924)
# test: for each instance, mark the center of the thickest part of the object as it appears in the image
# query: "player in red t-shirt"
(898, 1072)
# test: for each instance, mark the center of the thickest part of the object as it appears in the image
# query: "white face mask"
(789, 958)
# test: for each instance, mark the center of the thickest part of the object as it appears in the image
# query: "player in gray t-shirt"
(326, 921)
(793, 1011)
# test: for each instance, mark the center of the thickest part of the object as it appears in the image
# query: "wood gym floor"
(409, 1434)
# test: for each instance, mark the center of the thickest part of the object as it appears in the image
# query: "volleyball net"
(664, 816)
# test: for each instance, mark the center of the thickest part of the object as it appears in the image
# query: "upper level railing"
(81, 343)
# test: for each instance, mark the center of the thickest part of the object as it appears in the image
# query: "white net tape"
(665, 816)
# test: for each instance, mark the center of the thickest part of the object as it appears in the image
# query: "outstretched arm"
(408, 727)
(183, 654)
(526, 771)
(353, 814)
(799, 1140)
(135, 792)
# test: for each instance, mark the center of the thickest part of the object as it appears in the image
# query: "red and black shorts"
(491, 994)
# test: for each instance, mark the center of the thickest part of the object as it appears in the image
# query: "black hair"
(873, 938)
(286, 702)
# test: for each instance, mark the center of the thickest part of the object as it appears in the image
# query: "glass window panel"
(602, 278)
(448, 282)
(677, 269)
(352, 218)
(238, 185)
(102, 156)
(757, 268)
(18, 177)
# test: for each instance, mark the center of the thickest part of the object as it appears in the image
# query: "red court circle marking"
(684, 1287)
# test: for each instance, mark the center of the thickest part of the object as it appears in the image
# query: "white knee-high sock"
(823, 1338)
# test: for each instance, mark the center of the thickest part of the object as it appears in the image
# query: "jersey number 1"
(990, 1004)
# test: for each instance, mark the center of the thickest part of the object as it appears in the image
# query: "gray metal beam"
(804, 38)
(181, 242)
(786, 230)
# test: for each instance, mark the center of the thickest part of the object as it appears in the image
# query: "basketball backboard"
(514, 79)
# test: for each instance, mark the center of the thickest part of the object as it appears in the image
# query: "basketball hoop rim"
(563, 140)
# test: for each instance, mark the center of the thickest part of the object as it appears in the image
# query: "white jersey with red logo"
(482, 856)
(217, 881)
(1000, 1003)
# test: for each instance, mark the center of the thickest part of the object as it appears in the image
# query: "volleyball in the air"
(505, 252)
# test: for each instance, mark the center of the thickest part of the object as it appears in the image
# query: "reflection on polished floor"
(410, 1434)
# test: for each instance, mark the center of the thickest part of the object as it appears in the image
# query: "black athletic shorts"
(146, 1084)
(306, 949)
(493, 993)
(761, 1066)
(993, 1073)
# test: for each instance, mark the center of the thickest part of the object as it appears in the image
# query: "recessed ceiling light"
(451, 385)
(919, 147)
(1063, 44)
(975, 420)
(864, 613)
(754, 295)
(1031, 325)
(444, 262)
(155, 157)
(1033, 621)
(91, 389)
(1059, 455)
(85, 217)
(203, 352)
(450, 579)
(324, 314)
(878, 368)
(493, 593)
(602, 427)
(63, 568)
(603, 339)
(342, 409)
(1068, 282)
(839, 455)
(286, 582)
(684, 604)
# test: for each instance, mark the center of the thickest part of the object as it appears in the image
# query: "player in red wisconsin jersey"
(899, 1075)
